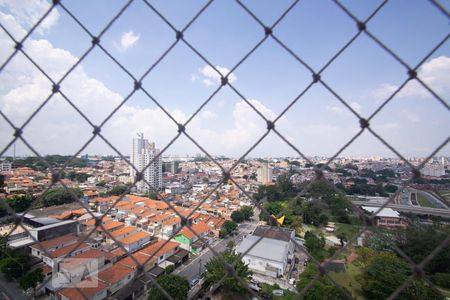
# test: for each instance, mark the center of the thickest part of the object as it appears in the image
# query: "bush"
(442, 280)
(170, 269)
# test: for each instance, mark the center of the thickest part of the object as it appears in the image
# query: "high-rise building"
(142, 153)
(264, 173)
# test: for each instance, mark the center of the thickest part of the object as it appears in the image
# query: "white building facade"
(264, 174)
(142, 153)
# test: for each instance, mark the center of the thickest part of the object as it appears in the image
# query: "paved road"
(197, 265)
(433, 199)
(408, 208)
(10, 290)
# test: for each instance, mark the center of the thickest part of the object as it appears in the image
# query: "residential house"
(268, 250)
(191, 241)
(135, 241)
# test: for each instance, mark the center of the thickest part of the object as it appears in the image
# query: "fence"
(270, 32)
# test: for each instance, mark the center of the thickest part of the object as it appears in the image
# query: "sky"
(364, 76)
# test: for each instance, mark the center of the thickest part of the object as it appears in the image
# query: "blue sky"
(318, 124)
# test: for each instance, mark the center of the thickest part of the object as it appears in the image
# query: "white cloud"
(67, 131)
(128, 40)
(206, 114)
(390, 125)
(212, 77)
(340, 108)
(356, 106)
(434, 73)
(28, 12)
(335, 108)
(411, 116)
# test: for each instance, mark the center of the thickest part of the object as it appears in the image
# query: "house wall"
(120, 284)
(258, 265)
(137, 245)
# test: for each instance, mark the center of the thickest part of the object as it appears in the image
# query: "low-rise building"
(135, 241)
(269, 250)
(191, 241)
(386, 217)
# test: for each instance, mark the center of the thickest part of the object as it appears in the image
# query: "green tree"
(153, 196)
(31, 279)
(237, 216)
(19, 203)
(215, 271)
(315, 245)
(247, 212)
(321, 289)
(176, 286)
(386, 272)
(442, 280)
(12, 268)
(419, 241)
(170, 269)
(118, 190)
(59, 196)
(230, 226)
(383, 275)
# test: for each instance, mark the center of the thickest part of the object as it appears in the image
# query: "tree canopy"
(322, 289)
(176, 286)
(385, 272)
(58, 196)
(215, 271)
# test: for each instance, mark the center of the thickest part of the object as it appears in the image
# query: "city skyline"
(414, 123)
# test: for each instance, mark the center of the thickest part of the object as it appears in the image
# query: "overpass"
(420, 210)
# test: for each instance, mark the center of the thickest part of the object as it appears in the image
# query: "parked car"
(194, 282)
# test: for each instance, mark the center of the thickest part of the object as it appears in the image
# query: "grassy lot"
(423, 201)
(267, 289)
(348, 280)
(446, 195)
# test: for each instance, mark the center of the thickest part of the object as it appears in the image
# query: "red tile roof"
(197, 228)
(150, 250)
(134, 238)
(74, 294)
(55, 242)
(114, 274)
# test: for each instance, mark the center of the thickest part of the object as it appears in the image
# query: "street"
(9, 290)
(196, 265)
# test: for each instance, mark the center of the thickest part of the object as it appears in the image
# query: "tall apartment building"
(264, 174)
(5, 166)
(142, 153)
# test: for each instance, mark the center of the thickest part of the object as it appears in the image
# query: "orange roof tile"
(85, 286)
(160, 217)
(197, 228)
(122, 231)
(68, 249)
(91, 253)
(54, 242)
(114, 274)
(140, 257)
(91, 222)
(172, 221)
(134, 237)
(150, 250)
(110, 226)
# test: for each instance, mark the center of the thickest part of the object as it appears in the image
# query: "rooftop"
(266, 248)
(55, 242)
(273, 232)
(85, 286)
(114, 274)
(135, 237)
(384, 212)
(197, 228)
